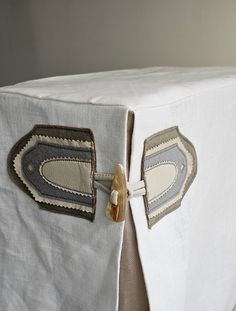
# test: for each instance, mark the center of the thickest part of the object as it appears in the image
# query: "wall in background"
(40, 38)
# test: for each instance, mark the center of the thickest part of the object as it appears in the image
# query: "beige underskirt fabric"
(132, 295)
(132, 289)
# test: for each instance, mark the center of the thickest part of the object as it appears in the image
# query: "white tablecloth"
(55, 262)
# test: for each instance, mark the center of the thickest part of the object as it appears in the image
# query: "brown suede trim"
(62, 210)
(64, 132)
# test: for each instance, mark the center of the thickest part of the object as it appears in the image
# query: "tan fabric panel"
(132, 294)
(64, 174)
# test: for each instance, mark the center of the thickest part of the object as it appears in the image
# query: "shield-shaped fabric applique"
(56, 165)
(168, 169)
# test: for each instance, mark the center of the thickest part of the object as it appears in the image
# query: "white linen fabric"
(52, 261)
(59, 262)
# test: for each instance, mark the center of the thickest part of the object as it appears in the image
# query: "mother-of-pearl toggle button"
(118, 198)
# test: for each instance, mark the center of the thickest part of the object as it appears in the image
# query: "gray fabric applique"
(168, 169)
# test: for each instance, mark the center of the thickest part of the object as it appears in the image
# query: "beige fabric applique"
(55, 165)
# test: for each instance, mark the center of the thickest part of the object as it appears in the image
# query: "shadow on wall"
(17, 51)
(56, 37)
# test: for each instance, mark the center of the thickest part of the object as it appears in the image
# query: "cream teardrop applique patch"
(169, 167)
(55, 165)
